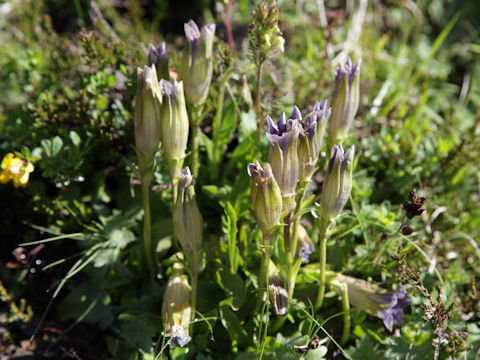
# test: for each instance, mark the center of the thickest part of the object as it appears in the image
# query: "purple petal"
(296, 114)
(273, 138)
(348, 63)
(254, 169)
(394, 316)
(272, 127)
(180, 340)
(282, 124)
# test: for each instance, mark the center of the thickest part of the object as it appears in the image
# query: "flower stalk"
(323, 231)
(196, 117)
(346, 313)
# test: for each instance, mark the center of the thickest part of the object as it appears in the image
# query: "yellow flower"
(15, 169)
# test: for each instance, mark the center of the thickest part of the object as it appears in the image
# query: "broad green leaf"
(235, 329)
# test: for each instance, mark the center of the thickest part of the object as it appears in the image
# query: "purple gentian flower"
(394, 314)
(375, 300)
(283, 156)
(311, 139)
(345, 99)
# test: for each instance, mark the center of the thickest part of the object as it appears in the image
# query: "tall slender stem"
(324, 225)
(263, 277)
(193, 301)
(195, 120)
(147, 235)
(291, 241)
(289, 257)
(195, 143)
(298, 217)
(258, 96)
(264, 270)
(228, 26)
(346, 314)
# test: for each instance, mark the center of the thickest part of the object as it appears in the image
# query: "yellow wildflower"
(15, 169)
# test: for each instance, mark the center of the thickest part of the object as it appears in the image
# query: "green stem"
(195, 120)
(263, 277)
(298, 217)
(289, 256)
(263, 274)
(346, 314)
(324, 225)
(291, 253)
(195, 143)
(193, 301)
(174, 191)
(258, 97)
(147, 235)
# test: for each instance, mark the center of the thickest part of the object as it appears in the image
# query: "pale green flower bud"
(345, 99)
(176, 309)
(197, 62)
(188, 221)
(174, 124)
(266, 198)
(147, 112)
(338, 182)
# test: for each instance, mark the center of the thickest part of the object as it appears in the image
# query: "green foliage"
(68, 74)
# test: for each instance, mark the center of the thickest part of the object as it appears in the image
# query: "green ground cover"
(108, 252)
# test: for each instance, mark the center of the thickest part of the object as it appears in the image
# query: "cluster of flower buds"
(338, 182)
(160, 113)
(375, 300)
(294, 148)
(345, 99)
(264, 34)
(266, 198)
(283, 155)
(176, 309)
(160, 56)
(15, 169)
(188, 221)
(197, 62)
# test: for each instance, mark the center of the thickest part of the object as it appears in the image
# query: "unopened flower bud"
(311, 139)
(345, 100)
(197, 62)
(147, 117)
(375, 300)
(174, 124)
(338, 182)
(188, 221)
(266, 197)
(160, 56)
(283, 155)
(176, 309)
